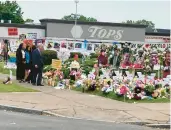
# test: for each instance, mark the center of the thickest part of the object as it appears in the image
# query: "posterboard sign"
(31, 35)
(56, 64)
(12, 31)
(22, 37)
(106, 81)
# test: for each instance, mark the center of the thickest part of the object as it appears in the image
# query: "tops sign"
(115, 33)
(101, 33)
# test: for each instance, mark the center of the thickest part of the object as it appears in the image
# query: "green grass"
(6, 71)
(14, 88)
(115, 97)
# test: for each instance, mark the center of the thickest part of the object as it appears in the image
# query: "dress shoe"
(40, 85)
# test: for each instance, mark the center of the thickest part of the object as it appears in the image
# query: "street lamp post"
(76, 2)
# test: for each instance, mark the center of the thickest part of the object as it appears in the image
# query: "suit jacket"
(37, 58)
(19, 57)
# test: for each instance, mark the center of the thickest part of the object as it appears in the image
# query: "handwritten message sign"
(56, 64)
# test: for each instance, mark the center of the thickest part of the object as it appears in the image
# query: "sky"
(103, 10)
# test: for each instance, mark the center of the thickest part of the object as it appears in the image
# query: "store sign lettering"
(100, 32)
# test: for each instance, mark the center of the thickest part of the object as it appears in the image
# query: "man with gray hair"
(37, 62)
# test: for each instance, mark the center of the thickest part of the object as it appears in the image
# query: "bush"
(72, 54)
(48, 55)
(93, 55)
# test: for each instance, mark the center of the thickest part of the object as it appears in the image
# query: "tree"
(82, 18)
(29, 20)
(10, 10)
(149, 24)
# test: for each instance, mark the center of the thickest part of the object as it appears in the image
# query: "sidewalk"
(79, 105)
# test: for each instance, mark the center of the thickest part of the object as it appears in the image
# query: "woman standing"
(20, 62)
(30, 77)
(28, 63)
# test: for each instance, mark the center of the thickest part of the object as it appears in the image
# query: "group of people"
(29, 63)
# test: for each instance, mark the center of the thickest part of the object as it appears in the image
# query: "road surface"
(21, 121)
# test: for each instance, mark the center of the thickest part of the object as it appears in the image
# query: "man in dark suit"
(37, 62)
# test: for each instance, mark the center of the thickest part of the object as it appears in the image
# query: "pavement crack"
(55, 109)
(74, 111)
(131, 115)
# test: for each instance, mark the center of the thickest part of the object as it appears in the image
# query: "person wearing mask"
(37, 62)
(28, 63)
(102, 59)
(20, 62)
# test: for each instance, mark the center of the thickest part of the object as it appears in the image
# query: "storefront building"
(93, 30)
(97, 32)
(157, 35)
(13, 31)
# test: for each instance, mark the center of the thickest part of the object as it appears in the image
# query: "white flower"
(110, 56)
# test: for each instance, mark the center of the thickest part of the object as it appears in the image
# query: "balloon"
(85, 44)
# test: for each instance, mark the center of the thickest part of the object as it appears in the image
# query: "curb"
(41, 112)
(163, 126)
(23, 110)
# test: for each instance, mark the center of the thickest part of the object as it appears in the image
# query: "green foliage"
(149, 24)
(47, 68)
(29, 20)
(48, 55)
(82, 18)
(163, 93)
(72, 82)
(66, 72)
(149, 88)
(72, 54)
(113, 96)
(86, 69)
(15, 88)
(6, 71)
(10, 10)
(94, 55)
(90, 62)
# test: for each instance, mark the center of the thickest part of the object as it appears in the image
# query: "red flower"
(123, 90)
(147, 45)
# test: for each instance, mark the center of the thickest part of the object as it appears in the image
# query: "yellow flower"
(147, 60)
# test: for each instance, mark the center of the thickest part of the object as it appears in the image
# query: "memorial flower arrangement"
(125, 82)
